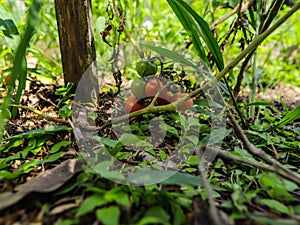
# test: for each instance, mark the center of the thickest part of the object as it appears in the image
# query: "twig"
(278, 167)
(141, 54)
(213, 212)
(39, 113)
(239, 8)
(227, 155)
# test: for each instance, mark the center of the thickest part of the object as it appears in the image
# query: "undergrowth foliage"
(228, 158)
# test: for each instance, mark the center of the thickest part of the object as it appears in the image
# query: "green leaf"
(59, 145)
(259, 103)
(149, 176)
(54, 157)
(155, 215)
(289, 117)
(4, 162)
(8, 175)
(184, 13)
(109, 215)
(118, 196)
(19, 64)
(128, 139)
(39, 132)
(215, 136)
(10, 145)
(275, 186)
(90, 203)
(169, 129)
(9, 28)
(273, 204)
(172, 55)
(191, 28)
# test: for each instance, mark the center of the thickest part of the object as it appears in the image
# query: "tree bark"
(76, 37)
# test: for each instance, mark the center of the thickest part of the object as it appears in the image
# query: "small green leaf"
(118, 196)
(54, 157)
(59, 145)
(90, 203)
(215, 136)
(109, 215)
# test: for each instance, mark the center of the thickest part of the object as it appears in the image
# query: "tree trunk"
(76, 37)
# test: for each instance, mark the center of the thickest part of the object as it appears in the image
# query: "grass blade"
(191, 28)
(289, 117)
(183, 10)
(19, 64)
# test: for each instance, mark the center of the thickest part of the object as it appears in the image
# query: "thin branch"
(138, 50)
(213, 211)
(239, 8)
(39, 113)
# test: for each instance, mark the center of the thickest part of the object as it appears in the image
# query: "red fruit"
(6, 79)
(185, 105)
(132, 104)
(165, 100)
(153, 86)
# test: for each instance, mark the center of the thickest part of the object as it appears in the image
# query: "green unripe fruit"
(145, 67)
(138, 88)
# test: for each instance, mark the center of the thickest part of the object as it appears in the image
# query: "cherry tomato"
(138, 88)
(185, 105)
(153, 86)
(145, 67)
(132, 104)
(165, 100)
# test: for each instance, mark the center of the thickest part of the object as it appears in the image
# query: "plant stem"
(131, 40)
(39, 113)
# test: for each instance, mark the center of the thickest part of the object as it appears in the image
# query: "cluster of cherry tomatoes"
(145, 88)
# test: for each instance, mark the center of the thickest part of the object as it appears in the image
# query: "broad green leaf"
(12, 144)
(149, 176)
(109, 215)
(4, 162)
(155, 212)
(118, 196)
(169, 129)
(29, 166)
(274, 204)
(276, 187)
(90, 203)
